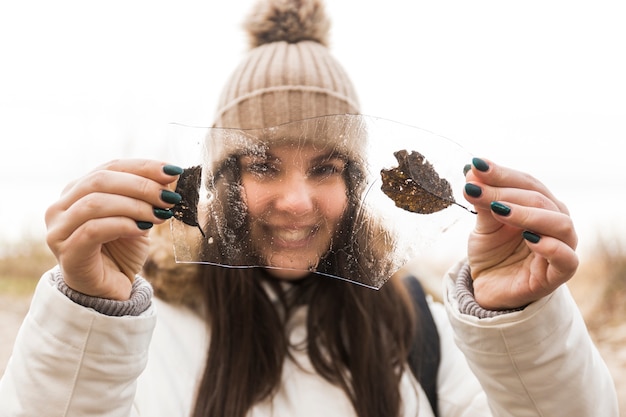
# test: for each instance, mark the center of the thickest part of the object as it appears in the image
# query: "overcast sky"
(537, 85)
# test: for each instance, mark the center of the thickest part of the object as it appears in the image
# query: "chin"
(287, 274)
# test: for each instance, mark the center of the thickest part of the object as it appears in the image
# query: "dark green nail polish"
(466, 169)
(500, 208)
(172, 170)
(480, 164)
(162, 214)
(144, 225)
(531, 237)
(170, 197)
(473, 190)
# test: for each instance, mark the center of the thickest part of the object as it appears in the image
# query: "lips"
(292, 237)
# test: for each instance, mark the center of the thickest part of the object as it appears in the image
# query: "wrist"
(139, 300)
(464, 288)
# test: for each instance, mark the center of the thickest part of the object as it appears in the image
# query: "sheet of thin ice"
(372, 225)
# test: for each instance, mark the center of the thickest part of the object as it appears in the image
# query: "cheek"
(334, 202)
(255, 198)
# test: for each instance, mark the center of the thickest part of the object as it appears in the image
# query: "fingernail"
(163, 214)
(473, 190)
(500, 208)
(531, 237)
(172, 170)
(480, 164)
(466, 169)
(144, 225)
(170, 197)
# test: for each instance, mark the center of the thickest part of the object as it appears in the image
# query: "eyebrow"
(266, 156)
(328, 157)
(325, 157)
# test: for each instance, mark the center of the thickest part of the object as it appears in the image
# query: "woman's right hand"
(98, 229)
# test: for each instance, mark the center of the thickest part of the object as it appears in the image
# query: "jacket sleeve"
(69, 360)
(536, 362)
(459, 392)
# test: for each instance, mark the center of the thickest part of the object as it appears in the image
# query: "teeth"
(292, 235)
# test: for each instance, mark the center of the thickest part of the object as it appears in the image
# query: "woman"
(278, 340)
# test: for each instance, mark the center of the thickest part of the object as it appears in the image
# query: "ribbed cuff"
(467, 302)
(140, 298)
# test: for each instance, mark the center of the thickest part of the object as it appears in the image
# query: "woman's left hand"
(523, 245)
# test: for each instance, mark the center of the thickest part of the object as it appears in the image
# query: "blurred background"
(536, 85)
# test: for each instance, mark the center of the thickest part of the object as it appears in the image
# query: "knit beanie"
(287, 75)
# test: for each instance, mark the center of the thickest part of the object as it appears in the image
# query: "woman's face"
(295, 196)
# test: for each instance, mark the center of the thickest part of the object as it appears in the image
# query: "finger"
(482, 195)
(539, 221)
(88, 238)
(560, 263)
(99, 206)
(487, 172)
(119, 183)
(158, 171)
(80, 255)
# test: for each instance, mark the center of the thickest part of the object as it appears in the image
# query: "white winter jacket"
(69, 360)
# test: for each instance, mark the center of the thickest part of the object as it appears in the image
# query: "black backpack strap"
(424, 357)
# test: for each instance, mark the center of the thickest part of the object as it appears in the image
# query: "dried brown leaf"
(415, 186)
(188, 187)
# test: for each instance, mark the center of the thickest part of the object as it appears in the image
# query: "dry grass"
(599, 286)
(21, 265)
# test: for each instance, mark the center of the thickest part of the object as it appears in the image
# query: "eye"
(327, 169)
(260, 168)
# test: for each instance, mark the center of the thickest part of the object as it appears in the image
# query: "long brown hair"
(358, 338)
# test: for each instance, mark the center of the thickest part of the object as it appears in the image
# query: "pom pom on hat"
(291, 21)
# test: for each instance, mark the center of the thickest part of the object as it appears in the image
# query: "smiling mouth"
(293, 237)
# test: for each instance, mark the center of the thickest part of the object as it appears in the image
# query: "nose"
(294, 195)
